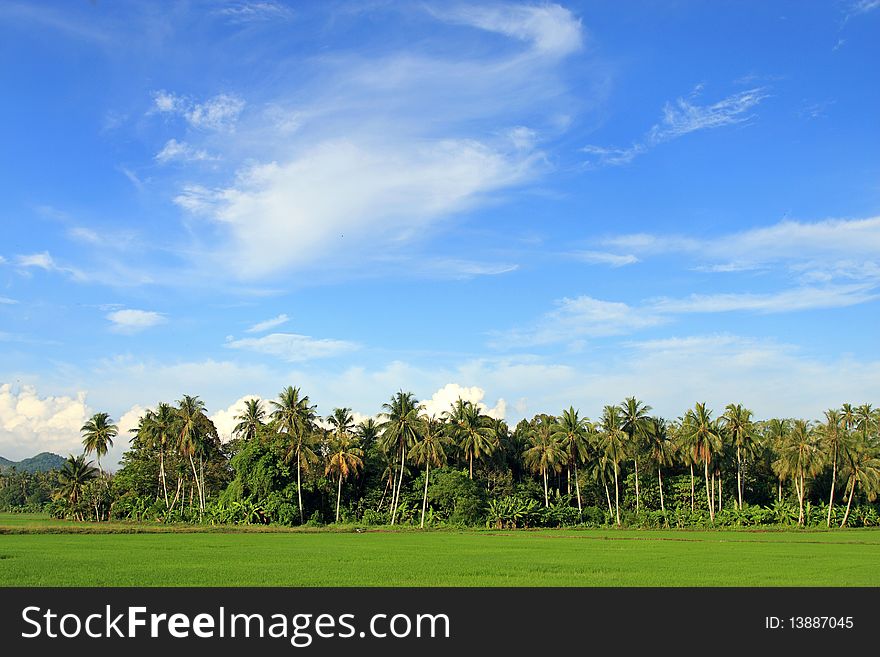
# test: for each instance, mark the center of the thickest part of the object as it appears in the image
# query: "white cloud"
(821, 250)
(340, 197)
(576, 318)
(133, 321)
(220, 112)
(549, 28)
(444, 398)
(292, 347)
(7, 301)
(604, 258)
(259, 327)
(680, 118)
(30, 424)
(46, 262)
(182, 152)
(252, 12)
(225, 419)
(805, 298)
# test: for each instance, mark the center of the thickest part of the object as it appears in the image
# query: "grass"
(591, 557)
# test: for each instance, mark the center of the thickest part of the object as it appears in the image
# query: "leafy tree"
(75, 474)
(703, 440)
(799, 457)
(157, 428)
(737, 422)
(833, 432)
(613, 445)
(661, 449)
(862, 468)
(345, 457)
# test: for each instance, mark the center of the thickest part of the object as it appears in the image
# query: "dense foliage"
(286, 465)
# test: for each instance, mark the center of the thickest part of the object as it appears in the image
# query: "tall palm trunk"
(800, 496)
(637, 483)
(396, 499)
(162, 474)
(719, 493)
(546, 496)
(849, 503)
(660, 481)
(739, 490)
(385, 491)
(471, 463)
(425, 495)
(568, 481)
(608, 497)
(693, 496)
(833, 482)
(299, 495)
(338, 495)
(616, 496)
(202, 493)
(577, 486)
(196, 476)
(708, 495)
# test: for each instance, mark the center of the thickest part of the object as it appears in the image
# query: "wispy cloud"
(130, 321)
(680, 118)
(803, 298)
(259, 327)
(219, 113)
(293, 347)
(605, 258)
(7, 301)
(253, 12)
(181, 151)
(46, 262)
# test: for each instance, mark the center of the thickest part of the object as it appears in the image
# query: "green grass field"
(597, 557)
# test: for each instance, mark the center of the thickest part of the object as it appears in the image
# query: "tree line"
(286, 464)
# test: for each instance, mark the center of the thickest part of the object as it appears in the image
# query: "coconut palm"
(544, 454)
(430, 449)
(193, 430)
(866, 419)
(294, 417)
(861, 466)
(73, 477)
(612, 443)
(367, 432)
(703, 440)
(400, 430)
(833, 432)
(346, 458)
(98, 434)
(250, 420)
(800, 457)
(737, 423)
(342, 422)
(572, 433)
(636, 423)
(777, 433)
(471, 430)
(661, 449)
(158, 428)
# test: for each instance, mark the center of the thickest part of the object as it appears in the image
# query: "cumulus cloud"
(30, 424)
(130, 321)
(225, 419)
(259, 327)
(444, 398)
(293, 347)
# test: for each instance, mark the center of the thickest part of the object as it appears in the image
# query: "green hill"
(40, 463)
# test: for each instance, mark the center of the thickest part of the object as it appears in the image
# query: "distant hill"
(39, 463)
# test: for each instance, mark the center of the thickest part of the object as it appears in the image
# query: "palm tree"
(345, 457)
(799, 458)
(400, 430)
(737, 422)
(250, 420)
(636, 424)
(661, 449)
(429, 450)
(703, 440)
(342, 421)
(778, 431)
(833, 431)
(98, 434)
(295, 417)
(866, 419)
(192, 426)
(368, 432)
(471, 430)
(72, 478)
(572, 433)
(861, 465)
(545, 454)
(613, 444)
(158, 427)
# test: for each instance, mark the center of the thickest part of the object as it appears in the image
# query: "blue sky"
(529, 205)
